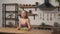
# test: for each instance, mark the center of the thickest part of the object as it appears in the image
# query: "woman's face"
(23, 14)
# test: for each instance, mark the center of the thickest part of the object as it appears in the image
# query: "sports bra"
(24, 25)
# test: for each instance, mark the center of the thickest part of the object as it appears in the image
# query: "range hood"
(46, 5)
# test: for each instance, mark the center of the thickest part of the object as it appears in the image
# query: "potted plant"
(58, 2)
(43, 24)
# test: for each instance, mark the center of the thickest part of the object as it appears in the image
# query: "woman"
(24, 22)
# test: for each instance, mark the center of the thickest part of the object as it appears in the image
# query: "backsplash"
(46, 16)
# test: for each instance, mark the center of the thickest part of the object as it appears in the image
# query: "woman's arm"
(19, 24)
(28, 23)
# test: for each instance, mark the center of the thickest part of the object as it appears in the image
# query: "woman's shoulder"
(27, 19)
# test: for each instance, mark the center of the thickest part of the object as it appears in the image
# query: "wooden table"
(15, 31)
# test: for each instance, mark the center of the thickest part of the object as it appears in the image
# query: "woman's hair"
(25, 12)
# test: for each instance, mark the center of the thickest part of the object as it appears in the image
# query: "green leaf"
(58, 1)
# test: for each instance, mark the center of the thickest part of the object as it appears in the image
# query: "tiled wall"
(37, 20)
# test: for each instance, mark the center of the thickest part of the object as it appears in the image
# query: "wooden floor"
(15, 31)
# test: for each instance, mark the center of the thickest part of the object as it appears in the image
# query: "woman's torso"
(23, 22)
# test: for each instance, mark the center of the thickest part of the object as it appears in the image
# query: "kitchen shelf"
(28, 6)
(32, 14)
(10, 18)
(4, 13)
(57, 6)
(10, 4)
(11, 11)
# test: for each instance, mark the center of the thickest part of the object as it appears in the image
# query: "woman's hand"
(29, 29)
(18, 28)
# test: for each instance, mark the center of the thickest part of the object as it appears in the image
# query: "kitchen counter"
(15, 31)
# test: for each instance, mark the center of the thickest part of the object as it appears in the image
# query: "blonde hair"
(25, 12)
